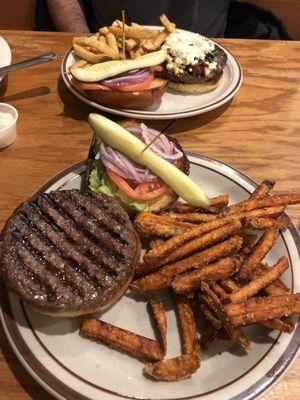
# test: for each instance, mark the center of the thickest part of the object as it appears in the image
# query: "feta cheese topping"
(185, 49)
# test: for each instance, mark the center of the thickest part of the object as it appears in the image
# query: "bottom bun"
(109, 301)
(163, 202)
(130, 100)
(195, 88)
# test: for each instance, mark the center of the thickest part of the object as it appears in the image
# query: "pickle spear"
(120, 139)
(108, 69)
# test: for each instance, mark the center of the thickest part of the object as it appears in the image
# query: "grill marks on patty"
(67, 250)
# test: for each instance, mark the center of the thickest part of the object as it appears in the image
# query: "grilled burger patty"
(68, 252)
(220, 57)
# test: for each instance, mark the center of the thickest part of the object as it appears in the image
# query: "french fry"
(147, 223)
(139, 52)
(154, 44)
(174, 369)
(215, 322)
(229, 285)
(262, 189)
(194, 218)
(167, 24)
(259, 283)
(134, 32)
(223, 317)
(263, 246)
(278, 324)
(218, 202)
(208, 336)
(282, 222)
(187, 325)
(153, 244)
(79, 64)
(190, 281)
(164, 276)
(112, 43)
(100, 45)
(217, 288)
(160, 318)
(104, 30)
(130, 44)
(260, 309)
(272, 201)
(87, 55)
(136, 346)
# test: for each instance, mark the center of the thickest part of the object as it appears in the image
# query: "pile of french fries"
(108, 43)
(211, 259)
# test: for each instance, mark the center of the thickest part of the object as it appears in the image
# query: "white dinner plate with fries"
(171, 105)
(71, 367)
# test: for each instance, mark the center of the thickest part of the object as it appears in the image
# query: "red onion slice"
(128, 79)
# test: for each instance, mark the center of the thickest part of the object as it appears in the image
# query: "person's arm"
(67, 16)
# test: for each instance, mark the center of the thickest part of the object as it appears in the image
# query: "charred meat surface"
(67, 251)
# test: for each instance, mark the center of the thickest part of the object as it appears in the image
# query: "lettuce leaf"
(100, 183)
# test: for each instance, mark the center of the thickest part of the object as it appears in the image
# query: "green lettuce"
(100, 183)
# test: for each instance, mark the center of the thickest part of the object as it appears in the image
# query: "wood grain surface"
(258, 132)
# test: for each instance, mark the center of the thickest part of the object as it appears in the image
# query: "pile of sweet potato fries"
(213, 264)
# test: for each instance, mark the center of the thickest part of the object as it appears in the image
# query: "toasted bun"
(195, 88)
(129, 100)
(103, 306)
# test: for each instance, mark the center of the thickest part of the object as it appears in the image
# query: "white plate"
(5, 54)
(171, 105)
(74, 368)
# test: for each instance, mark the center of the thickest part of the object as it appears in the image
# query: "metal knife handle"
(29, 63)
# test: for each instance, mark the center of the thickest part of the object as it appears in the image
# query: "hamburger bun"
(196, 88)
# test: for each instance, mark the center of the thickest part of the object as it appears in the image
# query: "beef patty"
(68, 252)
(220, 57)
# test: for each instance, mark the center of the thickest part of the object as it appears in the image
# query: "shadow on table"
(34, 391)
(36, 92)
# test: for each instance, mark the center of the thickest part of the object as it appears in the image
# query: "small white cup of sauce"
(8, 124)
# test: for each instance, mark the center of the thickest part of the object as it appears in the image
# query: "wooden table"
(258, 133)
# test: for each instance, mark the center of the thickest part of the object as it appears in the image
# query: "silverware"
(29, 63)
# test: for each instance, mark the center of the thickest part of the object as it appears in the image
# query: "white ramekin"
(9, 133)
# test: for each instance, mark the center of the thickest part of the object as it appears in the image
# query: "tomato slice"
(143, 191)
(157, 68)
(135, 87)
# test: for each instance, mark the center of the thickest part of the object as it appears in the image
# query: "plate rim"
(141, 114)
(256, 390)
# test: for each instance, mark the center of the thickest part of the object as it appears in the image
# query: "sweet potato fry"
(147, 223)
(261, 249)
(134, 345)
(160, 318)
(190, 281)
(218, 202)
(204, 241)
(223, 317)
(259, 283)
(153, 244)
(174, 369)
(219, 291)
(277, 288)
(229, 285)
(262, 189)
(215, 322)
(187, 323)
(278, 324)
(260, 309)
(208, 336)
(164, 277)
(272, 201)
(194, 218)
(282, 222)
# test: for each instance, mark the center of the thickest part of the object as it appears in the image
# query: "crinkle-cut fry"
(258, 283)
(260, 309)
(282, 222)
(147, 223)
(263, 189)
(170, 27)
(190, 281)
(87, 55)
(165, 275)
(174, 369)
(194, 218)
(234, 333)
(215, 322)
(160, 318)
(187, 324)
(134, 345)
(218, 202)
(204, 241)
(272, 201)
(262, 248)
(134, 32)
(208, 336)
(278, 324)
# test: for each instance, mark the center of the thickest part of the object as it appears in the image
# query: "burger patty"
(67, 251)
(220, 57)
